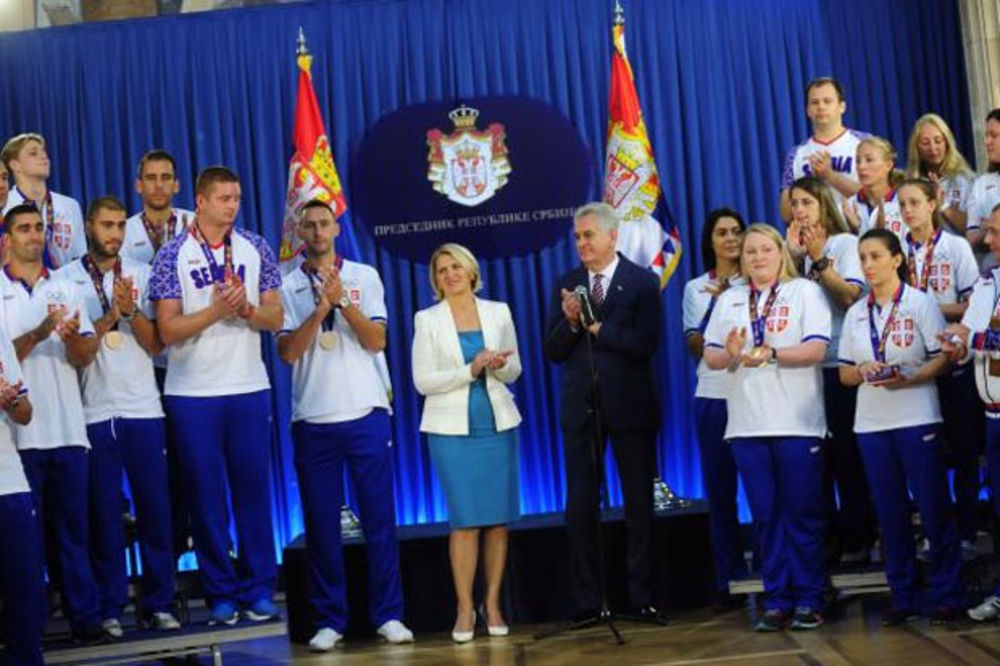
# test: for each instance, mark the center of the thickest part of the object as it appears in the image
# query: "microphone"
(586, 305)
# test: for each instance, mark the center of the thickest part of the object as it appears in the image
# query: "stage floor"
(696, 637)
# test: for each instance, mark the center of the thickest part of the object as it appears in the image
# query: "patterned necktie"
(597, 291)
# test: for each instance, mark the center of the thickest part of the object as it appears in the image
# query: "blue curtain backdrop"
(721, 85)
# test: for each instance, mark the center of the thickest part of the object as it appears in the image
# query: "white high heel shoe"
(493, 630)
(465, 636)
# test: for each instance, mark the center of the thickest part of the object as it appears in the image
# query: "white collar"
(606, 274)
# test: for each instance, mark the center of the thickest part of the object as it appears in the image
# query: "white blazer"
(441, 374)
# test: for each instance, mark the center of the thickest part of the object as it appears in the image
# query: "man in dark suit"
(624, 338)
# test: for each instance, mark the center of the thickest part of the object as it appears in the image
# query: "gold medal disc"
(114, 340)
(328, 340)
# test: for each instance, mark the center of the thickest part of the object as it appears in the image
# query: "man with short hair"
(619, 346)
(53, 338)
(216, 288)
(27, 160)
(829, 154)
(125, 424)
(159, 222)
(334, 328)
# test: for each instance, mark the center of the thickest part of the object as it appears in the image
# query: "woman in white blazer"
(464, 355)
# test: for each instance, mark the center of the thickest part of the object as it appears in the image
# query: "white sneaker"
(395, 632)
(988, 610)
(113, 627)
(325, 640)
(164, 622)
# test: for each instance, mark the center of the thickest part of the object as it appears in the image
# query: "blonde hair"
(13, 147)
(787, 270)
(954, 163)
(464, 257)
(896, 176)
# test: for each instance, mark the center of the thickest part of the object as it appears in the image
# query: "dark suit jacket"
(631, 321)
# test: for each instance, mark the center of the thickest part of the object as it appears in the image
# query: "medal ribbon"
(227, 254)
(879, 339)
(165, 235)
(758, 323)
(316, 283)
(98, 279)
(711, 306)
(911, 261)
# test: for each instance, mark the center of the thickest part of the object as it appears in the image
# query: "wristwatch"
(821, 265)
(345, 302)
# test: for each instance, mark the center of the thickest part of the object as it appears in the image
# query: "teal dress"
(479, 471)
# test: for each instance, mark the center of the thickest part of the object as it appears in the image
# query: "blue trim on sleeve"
(689, 331)
(164, 283)
(713, 345)
(845, 361)
(815, 337)
(381, 319)
(860, 283)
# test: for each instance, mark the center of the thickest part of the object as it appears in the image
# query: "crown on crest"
(464, 117)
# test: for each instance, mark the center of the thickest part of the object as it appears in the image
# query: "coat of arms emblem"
(469, 165)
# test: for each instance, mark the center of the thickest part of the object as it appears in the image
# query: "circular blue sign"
(500, 175)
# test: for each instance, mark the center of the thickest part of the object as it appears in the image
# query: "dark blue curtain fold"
(721, 85)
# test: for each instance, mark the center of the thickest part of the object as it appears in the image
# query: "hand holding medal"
(758, 356)
(877, 373)
(953, 342)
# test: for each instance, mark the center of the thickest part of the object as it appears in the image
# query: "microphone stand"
(604, 615)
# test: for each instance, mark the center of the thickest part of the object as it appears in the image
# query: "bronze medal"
(995, 323)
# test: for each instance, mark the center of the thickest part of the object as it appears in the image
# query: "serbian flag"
(631, 181)
(311, 172)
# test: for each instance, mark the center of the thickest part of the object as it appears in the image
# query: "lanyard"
(165, 235)
(911, 261)
(226, 272)
(711, 305)
(97, 277)
(316, 283)
(878, 340)
(758, 322)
